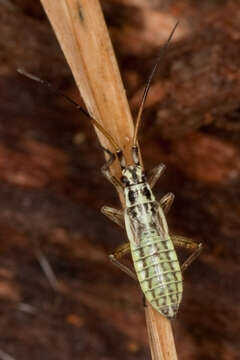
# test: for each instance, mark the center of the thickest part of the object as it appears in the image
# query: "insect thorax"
(136, 188)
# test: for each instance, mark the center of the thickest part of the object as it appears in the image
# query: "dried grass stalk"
(84, 39)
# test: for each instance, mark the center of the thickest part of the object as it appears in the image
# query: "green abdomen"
(159, 273)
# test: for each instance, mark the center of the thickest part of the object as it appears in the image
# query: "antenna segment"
(147, 87)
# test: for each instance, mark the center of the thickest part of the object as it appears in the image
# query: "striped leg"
(155, 174)
(166, 202)
(118, 253)
(113, 214)
(186, 243)
(111, 178)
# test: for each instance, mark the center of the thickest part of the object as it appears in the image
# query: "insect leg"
(106, 169)
(113, 214)
(118, 253)
(155, 174)
(166, 202)
(111, 178)
(186, 243)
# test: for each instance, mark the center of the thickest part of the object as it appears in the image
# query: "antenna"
(147, 87)
(77, 106)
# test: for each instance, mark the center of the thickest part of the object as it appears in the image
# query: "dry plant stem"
(160, 334)
(84, 39)
(82, 34)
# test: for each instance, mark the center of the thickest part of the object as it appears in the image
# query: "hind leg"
(186, 243)
(118, 254)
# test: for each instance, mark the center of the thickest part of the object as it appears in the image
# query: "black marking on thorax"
(132, 196)
(139, 194)
(146, 193)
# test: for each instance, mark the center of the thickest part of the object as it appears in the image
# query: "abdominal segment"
(159, 274)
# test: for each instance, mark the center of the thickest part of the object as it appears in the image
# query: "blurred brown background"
(51, 188)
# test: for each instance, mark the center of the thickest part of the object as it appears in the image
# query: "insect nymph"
(154, 257)
(152, 246)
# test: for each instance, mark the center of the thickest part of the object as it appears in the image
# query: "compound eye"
(124, 180)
